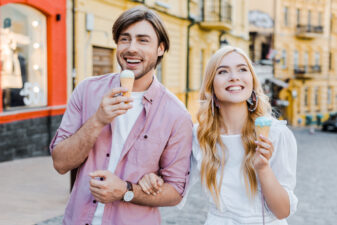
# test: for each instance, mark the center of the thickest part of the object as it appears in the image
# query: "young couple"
(133, 153)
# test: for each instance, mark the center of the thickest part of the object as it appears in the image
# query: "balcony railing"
(308, 31)
(306, 71)
(216, 14)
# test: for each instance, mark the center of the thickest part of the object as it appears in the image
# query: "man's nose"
(132, 46)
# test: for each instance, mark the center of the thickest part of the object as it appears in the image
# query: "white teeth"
(234, 88)
(133, 60)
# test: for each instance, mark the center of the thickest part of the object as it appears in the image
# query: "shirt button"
(107, 154)
(94, 201)
(150, 100)
(145, 136)
(87, 224)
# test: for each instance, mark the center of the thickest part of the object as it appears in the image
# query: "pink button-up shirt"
(160, 140)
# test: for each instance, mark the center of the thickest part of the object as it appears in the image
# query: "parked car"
(330, 124)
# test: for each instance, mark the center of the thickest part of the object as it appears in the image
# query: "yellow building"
(196, 29)
(307, 51)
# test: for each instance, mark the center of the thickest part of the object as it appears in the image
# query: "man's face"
(138, 50)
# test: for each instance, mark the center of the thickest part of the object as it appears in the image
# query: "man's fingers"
(116, 91)
(96, 183)
(99, 173)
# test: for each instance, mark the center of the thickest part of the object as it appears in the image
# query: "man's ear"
(161, 49)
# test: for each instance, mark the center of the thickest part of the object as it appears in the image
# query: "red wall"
(57, 58)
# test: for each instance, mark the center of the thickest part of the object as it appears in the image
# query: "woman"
(249, 180)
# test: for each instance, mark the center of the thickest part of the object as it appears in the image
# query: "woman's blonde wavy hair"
(208, 132)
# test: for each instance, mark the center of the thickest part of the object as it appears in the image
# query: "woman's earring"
(212, 105)
(252, 102)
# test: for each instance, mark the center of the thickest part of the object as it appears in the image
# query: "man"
(115, 140)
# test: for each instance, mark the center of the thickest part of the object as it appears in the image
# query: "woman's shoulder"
(279, 128)
(281, 134)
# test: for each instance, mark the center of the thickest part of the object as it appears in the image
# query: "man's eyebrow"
(143, 35)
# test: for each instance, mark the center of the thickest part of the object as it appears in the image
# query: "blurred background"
(48, 46)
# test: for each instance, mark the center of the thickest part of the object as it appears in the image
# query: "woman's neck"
(234, 117)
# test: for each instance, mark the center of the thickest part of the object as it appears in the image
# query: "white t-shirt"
(235, 205)
(123, 126)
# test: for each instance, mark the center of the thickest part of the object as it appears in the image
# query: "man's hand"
(151, 183)
(106, 187)
(112, 105)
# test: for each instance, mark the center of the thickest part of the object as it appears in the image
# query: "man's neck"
(144, 82)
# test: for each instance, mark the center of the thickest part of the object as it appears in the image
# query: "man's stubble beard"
(151, 66)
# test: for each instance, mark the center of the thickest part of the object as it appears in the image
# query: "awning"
(278, 82)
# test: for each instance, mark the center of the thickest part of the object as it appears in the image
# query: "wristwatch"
(128, 196)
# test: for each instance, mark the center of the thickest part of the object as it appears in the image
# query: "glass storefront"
(23, 57)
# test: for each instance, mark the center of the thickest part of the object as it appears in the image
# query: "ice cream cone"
(262, 126)
(127, 78)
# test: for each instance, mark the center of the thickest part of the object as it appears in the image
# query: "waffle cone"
(262, 130)
(127, 83)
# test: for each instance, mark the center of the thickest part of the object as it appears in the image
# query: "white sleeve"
(284, 160)
(195, 169)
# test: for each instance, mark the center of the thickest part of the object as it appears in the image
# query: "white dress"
(235, 206)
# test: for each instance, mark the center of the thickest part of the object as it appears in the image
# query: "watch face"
(128, 196)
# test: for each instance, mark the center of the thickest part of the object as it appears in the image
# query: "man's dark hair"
(138, 14)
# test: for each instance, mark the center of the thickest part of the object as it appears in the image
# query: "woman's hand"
(151, 183)
(264, 151)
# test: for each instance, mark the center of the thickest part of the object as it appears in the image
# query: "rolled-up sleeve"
(175, 160)
(284, 164)
(71, 120)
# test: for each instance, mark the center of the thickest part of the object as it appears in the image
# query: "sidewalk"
(31, 191)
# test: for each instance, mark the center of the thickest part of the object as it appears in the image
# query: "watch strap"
(129, 186)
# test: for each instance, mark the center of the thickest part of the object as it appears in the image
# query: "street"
(316, 186)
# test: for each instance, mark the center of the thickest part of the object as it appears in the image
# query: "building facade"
(196, 29)
(33, 75)
(305, 39)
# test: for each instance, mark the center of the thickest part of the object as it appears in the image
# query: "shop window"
(23, 57)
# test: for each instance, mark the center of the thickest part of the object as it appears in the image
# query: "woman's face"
(233, 82)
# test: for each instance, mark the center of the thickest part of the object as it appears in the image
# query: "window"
(284, 58)
(309, 18)
(329, 96)
(202, 56)
(306, 97)
(316, 96)
(298, 16)
(306, 60)
(23, 55)
(320, 19)
(295, 59)
(286, 16)
(317, 59)
(330, 60)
